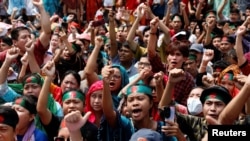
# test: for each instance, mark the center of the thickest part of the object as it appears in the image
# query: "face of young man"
(225, 46)
(190, 66)
(23, 38)
(175, 60)
(72, 104)
(213, 107)
(7, 133)
(138, 105)
(144, 64)
(32, 89)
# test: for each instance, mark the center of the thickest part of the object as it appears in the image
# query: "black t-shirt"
(89, 131)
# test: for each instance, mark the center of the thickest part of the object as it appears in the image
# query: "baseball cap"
(148, 134)
(197, 47)
(84, 36)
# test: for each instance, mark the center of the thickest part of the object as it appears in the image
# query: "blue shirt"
(38, 134)
(124, 130)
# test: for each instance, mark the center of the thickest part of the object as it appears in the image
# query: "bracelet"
(153, 33)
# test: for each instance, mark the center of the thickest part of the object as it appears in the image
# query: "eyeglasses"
(116, 77)
(61, 139)
(140, 64)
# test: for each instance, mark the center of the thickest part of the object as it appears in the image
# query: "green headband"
(34, 79)
(22, 102)
(215, 96)
(192, 57)
(76, 47)
(142, 89)
(72, 94)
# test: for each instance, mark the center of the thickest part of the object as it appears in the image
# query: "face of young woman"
(116, 80)
(7, 133)
(64, 133)
(72, 104)
(69, 82)
(96, 100)
(138, 106)
(24, 117)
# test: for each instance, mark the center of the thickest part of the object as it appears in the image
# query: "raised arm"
(238, 45)
(159, 78)
(198, 10)
(132, 31)
(90, 67)
(208, 55)
(184, 14)
(25, 63)
(64, 38)
(112, 35)
(162, 26)
(234, 107)
(221, 8)
(107, 102)
(175, 76)
(209, 27)
(10, 57)
(33, 65)
(168, 11)
(12, 17)
(152, 37)
(43, 112)
(45, 24)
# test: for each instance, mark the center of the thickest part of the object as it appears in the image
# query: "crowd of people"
(158, 70)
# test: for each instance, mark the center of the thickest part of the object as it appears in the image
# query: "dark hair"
(220, 64)
(199, 24)
(15, 32)
(210, 11)
(198, 87)
(234, 10)
(7, 40)
(181, 18)
(183, 47)
(9, 116)
(147, 28)
(248, 7)
(75, 74)
(232, 54)
(125, 44)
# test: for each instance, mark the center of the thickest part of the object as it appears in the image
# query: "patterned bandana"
(72, 94)
(232, 69)
(228, 76)
(142, 89)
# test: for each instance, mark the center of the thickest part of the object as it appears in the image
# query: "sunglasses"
(61, 139)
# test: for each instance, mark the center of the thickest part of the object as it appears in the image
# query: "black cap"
(218, 92)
